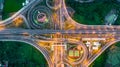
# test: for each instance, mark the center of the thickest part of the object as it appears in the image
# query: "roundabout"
(76, 53)
(40, 17)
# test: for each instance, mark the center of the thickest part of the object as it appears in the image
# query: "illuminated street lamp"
(26, 2)
(87, 44)
(96, 45)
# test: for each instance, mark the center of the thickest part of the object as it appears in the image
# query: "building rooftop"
(111, 17)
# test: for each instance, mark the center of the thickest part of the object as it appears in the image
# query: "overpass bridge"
(73, 36)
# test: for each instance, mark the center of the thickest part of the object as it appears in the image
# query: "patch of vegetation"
(11, 6)
(20, 54)
(93, 13)
(100, 61)
(104, 59)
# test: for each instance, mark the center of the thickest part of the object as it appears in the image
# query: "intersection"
(55, 40)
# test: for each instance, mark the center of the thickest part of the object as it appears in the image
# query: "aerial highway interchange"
(53, 41)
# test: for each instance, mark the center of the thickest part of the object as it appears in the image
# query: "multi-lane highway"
(15, 34)
(27, 35)
(37, 31)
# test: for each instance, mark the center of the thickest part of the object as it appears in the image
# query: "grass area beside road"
(109, 58)
(20, 54)
(93, 13)
(11, 6)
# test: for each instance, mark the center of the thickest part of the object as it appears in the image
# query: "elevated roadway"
(37, 31)
(25, 35)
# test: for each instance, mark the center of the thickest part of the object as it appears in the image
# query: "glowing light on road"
(2, 28)
(18, 21)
